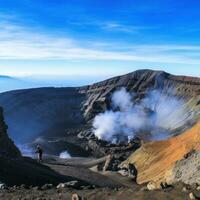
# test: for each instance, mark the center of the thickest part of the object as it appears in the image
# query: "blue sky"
(98, 38)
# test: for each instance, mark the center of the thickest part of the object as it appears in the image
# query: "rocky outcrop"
(140, 83)
(187, 169)
(169, 160)
(7, 147)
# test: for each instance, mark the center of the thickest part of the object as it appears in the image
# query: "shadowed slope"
(7, 147)
(16, 170)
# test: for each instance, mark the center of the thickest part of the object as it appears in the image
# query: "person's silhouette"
(39, 152)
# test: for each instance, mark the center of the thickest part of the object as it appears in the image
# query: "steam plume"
(64, 155)
(157, 114)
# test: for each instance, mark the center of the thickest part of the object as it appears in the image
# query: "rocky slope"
(187, 169)
(7, 147)
(45, 111)
(169, 160)
(17, 170)
(140, 83)
(60, 114)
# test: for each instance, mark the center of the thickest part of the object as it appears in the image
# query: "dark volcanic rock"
(42, 112)
(7, 147)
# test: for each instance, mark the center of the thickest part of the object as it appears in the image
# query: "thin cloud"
(20, 43)
(108, 26)
(118, 27)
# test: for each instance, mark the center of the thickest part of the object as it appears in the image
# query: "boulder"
(61, 185)
(152, 186)
(198, 188)
(47, 186)
(70, 184)
(75, 196)
(185, 189)
(73, 184)
(132, 171)
(2, 186)
(165, 186)
(128, 170)
(108, 164)
(123, 172)
(192, 196)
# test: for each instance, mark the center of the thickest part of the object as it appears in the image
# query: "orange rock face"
(155, 160)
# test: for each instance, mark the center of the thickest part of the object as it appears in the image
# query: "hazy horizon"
(36, 81)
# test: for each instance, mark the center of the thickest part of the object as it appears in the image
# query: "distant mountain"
(8, 83)
(5, 77)
(59, 113)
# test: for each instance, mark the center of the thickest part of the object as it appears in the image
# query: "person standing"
(39, 152)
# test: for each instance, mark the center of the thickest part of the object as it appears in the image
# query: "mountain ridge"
(51, 111)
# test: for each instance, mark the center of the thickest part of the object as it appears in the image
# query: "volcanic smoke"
(64, 155)
(157, 114)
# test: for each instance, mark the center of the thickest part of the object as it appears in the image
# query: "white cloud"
(21, 43)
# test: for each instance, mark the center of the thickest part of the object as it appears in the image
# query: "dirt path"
(79, 168)
(125, 181)
(75, 161)
(85, 175)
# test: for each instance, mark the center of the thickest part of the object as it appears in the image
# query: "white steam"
(122, 99)
(157, 114)
(64, 155)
